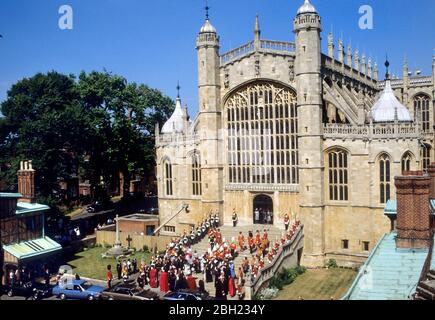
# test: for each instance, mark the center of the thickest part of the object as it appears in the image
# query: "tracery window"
(384, 178)
(421, 108)
(196, 175)
(426, 159)
(168, 178)
(406, 162)
(262, 135)
(338, 175)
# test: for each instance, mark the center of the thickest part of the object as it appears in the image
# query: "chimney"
(431, 172)
(26, 181)
(413, 215)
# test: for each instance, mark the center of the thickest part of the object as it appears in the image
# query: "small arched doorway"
(263, 209)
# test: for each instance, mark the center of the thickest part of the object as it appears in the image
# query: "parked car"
(98, 206)
(122, 292)
(154, 211)
(187, 295)
(28, 290)
(78, 289)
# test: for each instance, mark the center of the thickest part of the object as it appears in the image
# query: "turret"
(307, 28)
(209, 117)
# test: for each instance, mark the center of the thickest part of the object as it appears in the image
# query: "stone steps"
(228, 232)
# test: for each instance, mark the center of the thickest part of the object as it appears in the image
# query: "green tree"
(43, 122)
(123, 116)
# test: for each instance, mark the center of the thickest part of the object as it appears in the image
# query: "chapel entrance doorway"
(263, 209)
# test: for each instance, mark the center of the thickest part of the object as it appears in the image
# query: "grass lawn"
(90, 264)
(319, 284)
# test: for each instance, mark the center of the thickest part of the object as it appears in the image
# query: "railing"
(422, 80)
(165, 139)
(238, 52)
(376, 131)
(277, 46)
(271, 270)
(265, 46)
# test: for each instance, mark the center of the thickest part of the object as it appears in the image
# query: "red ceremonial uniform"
(163, 280)
(153, 278)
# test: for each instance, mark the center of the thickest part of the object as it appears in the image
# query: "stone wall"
(107, 237)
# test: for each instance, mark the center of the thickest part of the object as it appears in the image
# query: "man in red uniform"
(241, 239)
(109, 276)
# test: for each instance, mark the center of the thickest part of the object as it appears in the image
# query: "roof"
(389, 273)
(24, 207)
(32, 248)
(388, 108)
(10, 195)
(307, 7)
(176, 122)
(391, 207)
(207, 27)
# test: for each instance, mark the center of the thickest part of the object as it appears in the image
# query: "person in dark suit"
(220, 289)
(118, 270)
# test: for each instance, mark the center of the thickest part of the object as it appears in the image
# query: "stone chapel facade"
(285, 128)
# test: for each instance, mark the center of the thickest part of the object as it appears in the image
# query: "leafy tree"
(97, 126)
(43, 122)
(123, 116)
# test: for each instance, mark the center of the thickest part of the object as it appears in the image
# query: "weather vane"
(207, 8)
(178, 89)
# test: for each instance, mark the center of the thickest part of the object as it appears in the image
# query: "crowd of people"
(182, 267)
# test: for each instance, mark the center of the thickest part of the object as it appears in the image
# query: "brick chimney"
(26, 181)
(413, 215)
(431, 172)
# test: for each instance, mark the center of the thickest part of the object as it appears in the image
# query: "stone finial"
(370, 69)
(363, 64)
(349, 55)
(331, 45)
(356, 60)
(340, 51)
(376, 72)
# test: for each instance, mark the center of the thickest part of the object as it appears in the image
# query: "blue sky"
(153, 42)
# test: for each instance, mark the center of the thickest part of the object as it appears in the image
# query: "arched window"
(168, 178)
(425, 157)
(384, 178)
(421, 109)
(196, 175)
(406, 162)
(270, 123)
(338, 175)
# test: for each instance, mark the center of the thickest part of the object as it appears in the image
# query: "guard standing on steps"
(235, 218)
(216, 219)
(286, 221)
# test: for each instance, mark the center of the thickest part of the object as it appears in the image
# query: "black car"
(29, 290)
(98, 206)
(123, 292)
(191, 295)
